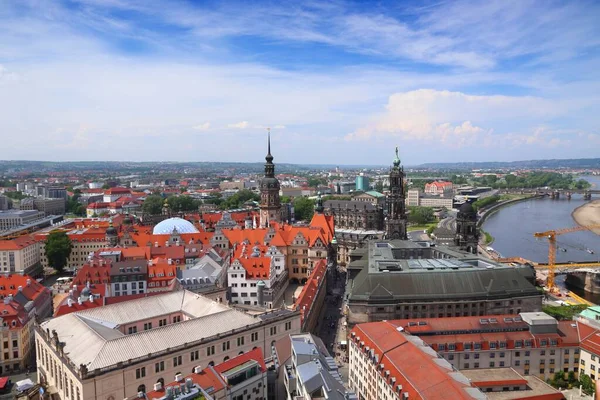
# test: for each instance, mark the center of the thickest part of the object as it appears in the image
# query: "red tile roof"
(32, 289)
(256, 355)
(418, 373)
(17, 243)
(308, 295)
(117, 190)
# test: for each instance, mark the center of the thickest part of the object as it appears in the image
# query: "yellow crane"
(551, 236)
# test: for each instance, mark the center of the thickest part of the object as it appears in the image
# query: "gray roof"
(92, 337)
(349, 204)
(129, 267)
(385, 276)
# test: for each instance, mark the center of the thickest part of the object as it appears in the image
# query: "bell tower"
(270, 205)
(396, 220)
(467, 234)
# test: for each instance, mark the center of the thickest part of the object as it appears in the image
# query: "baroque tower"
(395, 221)
(270, 206)
(467, 234)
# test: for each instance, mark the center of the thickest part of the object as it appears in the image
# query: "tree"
(379, 186)
(58, 249)
(304, 208)
(421, 215)
(314, 182)
(153, 204)
(239, 198)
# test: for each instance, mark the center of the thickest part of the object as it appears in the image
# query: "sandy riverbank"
(588, 214)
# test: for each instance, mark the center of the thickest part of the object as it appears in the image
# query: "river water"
(513, 227)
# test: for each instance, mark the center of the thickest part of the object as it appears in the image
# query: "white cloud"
(457, 119)
(239, 125)
(202, 127)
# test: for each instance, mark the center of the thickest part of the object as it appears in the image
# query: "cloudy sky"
(338, 82)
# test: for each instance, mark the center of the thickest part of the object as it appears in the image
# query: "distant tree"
(106, 186)
(15, 195)
(285, 199)
(80, 210)
(379, 186)
(315, 181)
(183, 203)
(304, 208)
(153, 204)
(238, 199)
(58, 249)
(421, 215)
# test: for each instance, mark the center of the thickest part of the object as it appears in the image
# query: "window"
(210, 350)
(162, 322)
(468, 346)
(466, 356)
(517, 363)
(542, 370)
(501, 363)
(254, 337)
(441, 347)
(177, 361)
(159, 367)
(543, 353)
(476, 365)
(140, 373)
(466, 366)
(476, 355)
(501, 354)
(288, 326)
(226, 345)
(132, 329)
(273, 330)
(240, 341)
(147, 326)
(527, 353)
(194, 355)
(15, 343)
(492, 364)
(552, 352)
(451, 347)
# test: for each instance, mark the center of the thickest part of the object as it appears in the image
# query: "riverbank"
(497, 206)
(588, 214)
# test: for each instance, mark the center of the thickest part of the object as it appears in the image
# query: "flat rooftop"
(509, 377)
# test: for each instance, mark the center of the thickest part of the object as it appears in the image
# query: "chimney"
(157, 386)
(74, 288)
(197, 369)
(170, 261)
(20, 288)
(79, 301)
(179, 378)
(91, 298)
(28, 282)
(155, 244)
(70, 302)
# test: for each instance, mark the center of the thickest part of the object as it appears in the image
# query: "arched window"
(226, 358)
(161, 381)
(241, 352)
(211, 364)
(142, 388)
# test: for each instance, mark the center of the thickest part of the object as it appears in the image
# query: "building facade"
(467, 234)
(402, 279)
(10, 219)
(150, 340)
(20, 256)
(396, 219)
(355, 215)
(270, 205)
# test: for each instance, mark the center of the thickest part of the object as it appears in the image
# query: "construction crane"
(551, 236)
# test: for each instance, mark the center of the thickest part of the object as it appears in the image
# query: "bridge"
(554, 193)
(558, 266)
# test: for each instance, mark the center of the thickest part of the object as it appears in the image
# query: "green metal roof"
(375, 193)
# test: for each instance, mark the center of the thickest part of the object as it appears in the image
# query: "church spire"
(269, 157)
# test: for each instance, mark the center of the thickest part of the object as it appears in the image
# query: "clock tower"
(270, 206)
(396, 220)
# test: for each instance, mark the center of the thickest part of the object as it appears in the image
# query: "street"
(330, 327)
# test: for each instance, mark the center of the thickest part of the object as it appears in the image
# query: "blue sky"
(338, 82)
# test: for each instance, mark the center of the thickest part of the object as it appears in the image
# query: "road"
(331, 328)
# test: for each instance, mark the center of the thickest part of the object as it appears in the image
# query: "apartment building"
(532, 343)
(20, 256)
(23, 299)
(312, 297)
(312, 373)
(110, 351)
(257, 276)
(242, 377)
(386, 363)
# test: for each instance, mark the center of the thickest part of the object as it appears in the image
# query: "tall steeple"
(270, 205)
(396, 219)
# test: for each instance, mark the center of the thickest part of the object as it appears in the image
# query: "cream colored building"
(20, 256)
(114, 352)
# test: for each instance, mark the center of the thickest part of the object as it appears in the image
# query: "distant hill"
(532, 164)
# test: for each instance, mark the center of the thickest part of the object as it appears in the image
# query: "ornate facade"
(396, 220)
(270, 205)
(467, 234)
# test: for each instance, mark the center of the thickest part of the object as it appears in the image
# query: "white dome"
(167, 226)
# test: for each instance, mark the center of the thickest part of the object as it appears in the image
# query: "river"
(513, 226)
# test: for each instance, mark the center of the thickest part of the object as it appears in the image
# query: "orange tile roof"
(256, 267)
(32, 289)
(418, 373)
(17, 243)
(160, 267)
(256, 355)
(307, 296)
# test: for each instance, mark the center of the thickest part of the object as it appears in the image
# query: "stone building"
(467, 234)
(357, 215)
(270, 205)
(403, 279)
(396, 219)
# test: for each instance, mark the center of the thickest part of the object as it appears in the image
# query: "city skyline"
(187, 81)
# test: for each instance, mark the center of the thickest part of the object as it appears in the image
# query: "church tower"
(467, 234)
(270, 206)
(395, 221)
